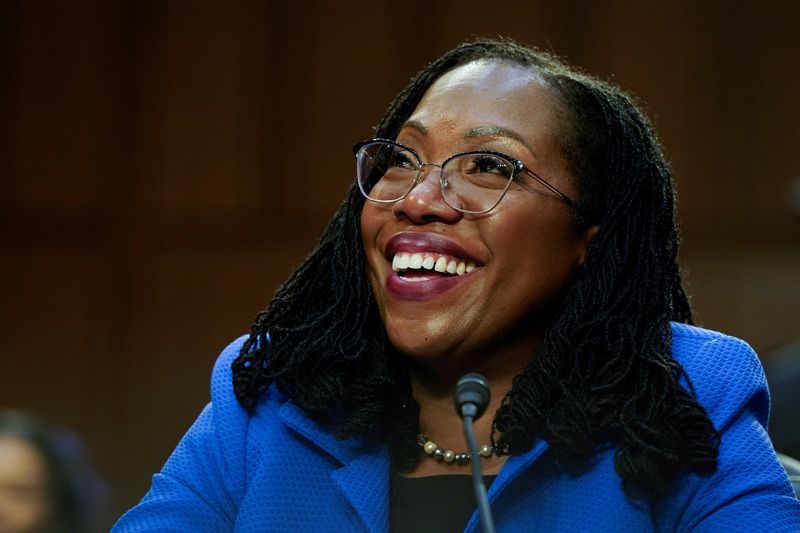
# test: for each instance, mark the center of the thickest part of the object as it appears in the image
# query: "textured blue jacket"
(279, 471)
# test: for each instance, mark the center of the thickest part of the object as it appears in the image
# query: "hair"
(603, 374)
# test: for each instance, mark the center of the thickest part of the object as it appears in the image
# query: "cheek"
(537, 245)
(370, 227)
(365, 222)
(373, 218)
(368, 231)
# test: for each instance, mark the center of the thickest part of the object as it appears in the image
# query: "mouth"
(424, 265)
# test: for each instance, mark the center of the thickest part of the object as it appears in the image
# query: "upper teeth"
(439, 263)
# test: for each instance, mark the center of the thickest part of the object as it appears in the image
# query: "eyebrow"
(416, 124)
(480, 131)
(496, 131)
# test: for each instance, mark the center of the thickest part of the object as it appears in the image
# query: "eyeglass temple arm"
(566, 199)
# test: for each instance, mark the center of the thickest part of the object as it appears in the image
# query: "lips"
(425, 265)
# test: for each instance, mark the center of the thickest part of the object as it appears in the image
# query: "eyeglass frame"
(519, 166)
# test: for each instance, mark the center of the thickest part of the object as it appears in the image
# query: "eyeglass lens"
(472, 182)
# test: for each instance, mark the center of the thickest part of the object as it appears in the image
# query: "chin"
(419, 336)
(414, 348)
(416, 344)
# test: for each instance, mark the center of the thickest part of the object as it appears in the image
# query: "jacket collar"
(513, 468)
(363, 477)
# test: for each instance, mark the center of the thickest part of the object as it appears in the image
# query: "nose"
(425, 202)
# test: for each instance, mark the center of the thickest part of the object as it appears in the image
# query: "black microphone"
(471, 398)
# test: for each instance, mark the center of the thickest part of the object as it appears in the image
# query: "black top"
(440, 504)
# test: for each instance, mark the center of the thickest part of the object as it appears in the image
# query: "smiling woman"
(512, 217)
(521, 240)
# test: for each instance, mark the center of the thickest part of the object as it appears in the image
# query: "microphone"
(471, 398)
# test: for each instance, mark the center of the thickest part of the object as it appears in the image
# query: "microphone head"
(471, 395)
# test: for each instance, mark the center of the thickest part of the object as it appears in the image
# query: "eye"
(482, 170)
(400, 158)
(489, 164)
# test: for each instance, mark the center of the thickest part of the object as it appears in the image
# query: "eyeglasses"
(471, 182)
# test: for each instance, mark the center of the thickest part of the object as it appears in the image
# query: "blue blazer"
(278, 470)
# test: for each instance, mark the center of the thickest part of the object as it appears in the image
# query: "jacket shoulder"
(222, 375)
(724, 371)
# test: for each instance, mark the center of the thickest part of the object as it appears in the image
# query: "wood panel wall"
(164, 166)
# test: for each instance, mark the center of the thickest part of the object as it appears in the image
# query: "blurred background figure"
(783, 374)
(46, 484)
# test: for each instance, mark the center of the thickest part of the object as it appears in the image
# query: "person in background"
(782, 368)
(511, 216)
(45, 485)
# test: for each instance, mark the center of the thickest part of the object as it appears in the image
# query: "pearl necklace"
(449, 456)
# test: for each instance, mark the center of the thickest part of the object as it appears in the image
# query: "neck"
(433, 382)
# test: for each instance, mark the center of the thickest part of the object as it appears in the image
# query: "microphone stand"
(477, 476)
(471, 397)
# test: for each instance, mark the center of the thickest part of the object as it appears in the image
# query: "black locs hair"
(604, 372)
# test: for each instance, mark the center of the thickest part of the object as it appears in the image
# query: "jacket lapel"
(514, 467)
(365, 483)
(363, 477)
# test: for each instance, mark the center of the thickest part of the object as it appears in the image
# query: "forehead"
(490, 93)
(492, 75)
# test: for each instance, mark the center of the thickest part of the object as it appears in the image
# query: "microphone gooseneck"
(471, 398)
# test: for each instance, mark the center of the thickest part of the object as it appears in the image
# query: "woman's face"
(24, 496)
(524, 251)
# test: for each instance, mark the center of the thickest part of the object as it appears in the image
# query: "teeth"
(416, 261)
(402, 264)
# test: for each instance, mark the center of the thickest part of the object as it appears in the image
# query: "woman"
(515, 218)
(40, 479)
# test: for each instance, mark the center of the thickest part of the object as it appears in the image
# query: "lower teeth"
(415, 275)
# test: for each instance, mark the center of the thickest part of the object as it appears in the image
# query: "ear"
(584, 240)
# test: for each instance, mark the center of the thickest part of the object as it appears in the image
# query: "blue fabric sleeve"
(750, 490)
(202, 481)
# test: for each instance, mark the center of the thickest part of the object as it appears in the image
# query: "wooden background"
(164, 166)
